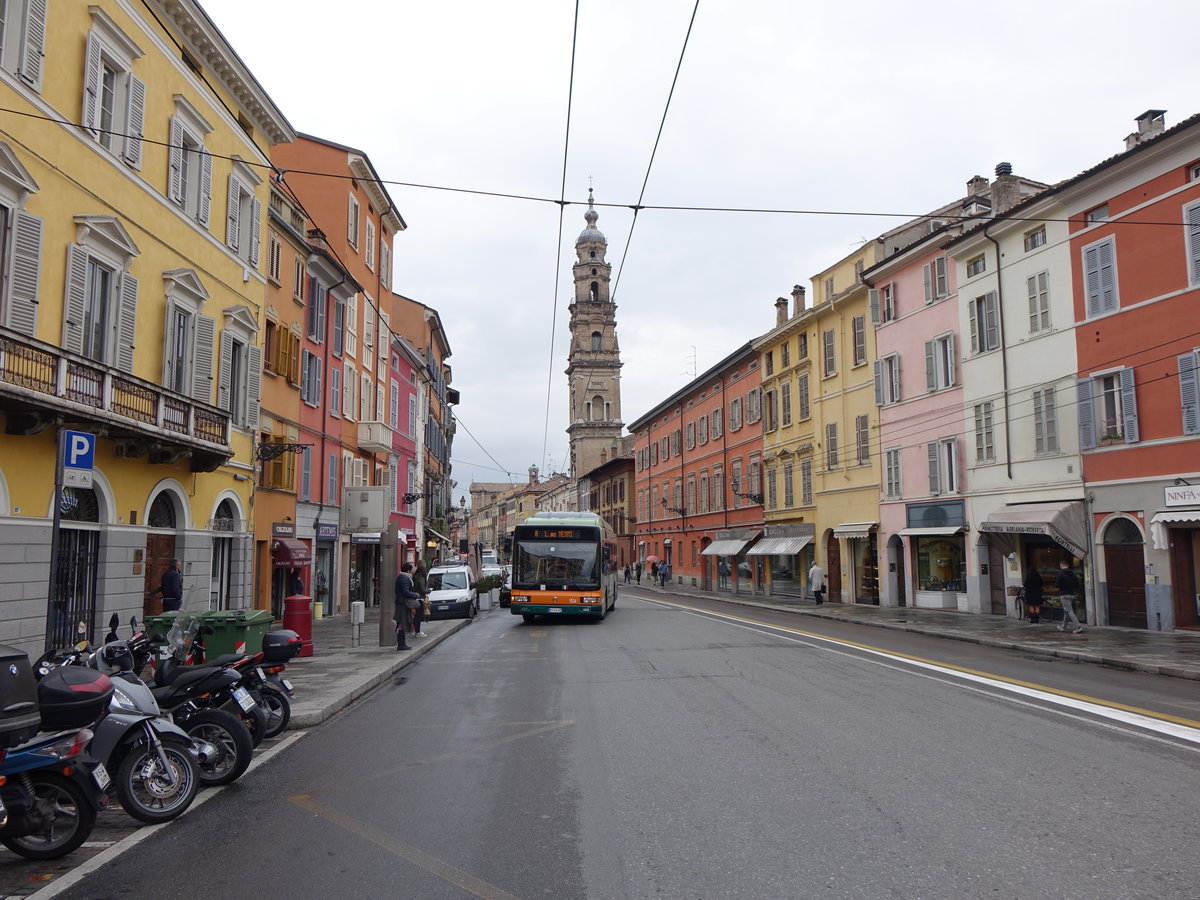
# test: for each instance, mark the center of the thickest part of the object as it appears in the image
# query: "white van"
(452, 592)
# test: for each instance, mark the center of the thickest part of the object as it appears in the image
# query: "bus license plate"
(100, 774)
(555, 609)
(242, 696)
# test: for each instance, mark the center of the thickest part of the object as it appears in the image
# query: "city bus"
(563, 564)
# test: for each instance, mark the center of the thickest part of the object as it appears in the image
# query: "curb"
(308, 717)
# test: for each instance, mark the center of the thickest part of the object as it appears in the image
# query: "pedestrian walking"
(723, 573)
(1033, 594)
(1068, 586)
(664, 572)
(628, 574)
(171, 587)
(654, 573)
(637, 571)
(295, 583)
(816, 581)
(406, 601)
(422, 589)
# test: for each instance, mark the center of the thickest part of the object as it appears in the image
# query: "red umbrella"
(652, 559)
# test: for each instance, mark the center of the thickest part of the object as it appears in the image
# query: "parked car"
(506, 588)
(452, 592)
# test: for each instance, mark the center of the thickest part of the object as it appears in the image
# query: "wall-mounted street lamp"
(753, 498)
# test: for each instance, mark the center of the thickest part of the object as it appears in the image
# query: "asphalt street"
(669, 753)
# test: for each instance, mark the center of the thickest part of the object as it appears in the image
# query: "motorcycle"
(51, 791)
(262, 672)
(154, 761)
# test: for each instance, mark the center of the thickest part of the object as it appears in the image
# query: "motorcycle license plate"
(556, 609)
(287, 685)
(242, 696)
(100, 774)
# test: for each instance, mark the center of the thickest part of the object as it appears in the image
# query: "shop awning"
(730, 546)
(290, 553)
(944, 531)
(1158, 525)
(779, 546)
(1063, 521)
(437, 534)
(854, 530)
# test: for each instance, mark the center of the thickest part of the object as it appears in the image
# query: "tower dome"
(591, 233)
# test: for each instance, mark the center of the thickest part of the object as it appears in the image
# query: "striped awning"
(730, 546)
(779, 546)
(854, 530)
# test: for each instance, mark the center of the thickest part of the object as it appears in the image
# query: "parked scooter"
(154, 762)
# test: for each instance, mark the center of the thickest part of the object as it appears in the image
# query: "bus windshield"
(564, 565)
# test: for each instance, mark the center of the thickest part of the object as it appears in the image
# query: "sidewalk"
(1175, 654)
(338, 673)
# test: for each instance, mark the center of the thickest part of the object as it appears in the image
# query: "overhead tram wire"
(562, 208)
(654, 152)
(650, 207)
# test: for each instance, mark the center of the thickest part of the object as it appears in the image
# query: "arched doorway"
(1125, 574)
(896, 578)
(224, 524)
(160, 548)
(833, 569)
(78, 555)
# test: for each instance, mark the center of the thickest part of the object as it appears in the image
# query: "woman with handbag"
(406, 601)
(422, 589)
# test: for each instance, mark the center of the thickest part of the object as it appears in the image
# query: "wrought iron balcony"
(42, 385)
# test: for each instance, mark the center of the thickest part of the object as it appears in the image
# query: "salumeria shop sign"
(1182, 495)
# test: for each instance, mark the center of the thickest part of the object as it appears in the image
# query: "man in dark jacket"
(1068, 586)
(171, 587)
(404, 595)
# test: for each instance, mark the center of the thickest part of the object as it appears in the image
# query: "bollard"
(358, 615)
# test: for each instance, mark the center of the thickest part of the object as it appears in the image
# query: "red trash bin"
(298, 616)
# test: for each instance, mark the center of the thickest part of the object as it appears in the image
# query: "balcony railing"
(38, 379)
(375, 437)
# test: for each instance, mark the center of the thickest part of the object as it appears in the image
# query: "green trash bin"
(235, 630)
(160, 624)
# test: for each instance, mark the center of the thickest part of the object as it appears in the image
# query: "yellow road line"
(420, 858)
(1111, 704)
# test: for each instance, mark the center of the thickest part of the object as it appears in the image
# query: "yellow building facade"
(133, 187)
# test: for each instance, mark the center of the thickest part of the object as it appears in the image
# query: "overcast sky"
(868, 107)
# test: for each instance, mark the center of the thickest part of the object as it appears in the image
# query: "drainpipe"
(1003, 355)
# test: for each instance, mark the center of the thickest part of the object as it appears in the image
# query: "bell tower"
(594, 359)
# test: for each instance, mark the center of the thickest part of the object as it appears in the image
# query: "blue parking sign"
(79, 457)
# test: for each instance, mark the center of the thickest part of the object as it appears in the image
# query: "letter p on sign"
(79, 455)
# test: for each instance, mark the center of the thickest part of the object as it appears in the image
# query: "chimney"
(1150, 124)
(976, 186)
(780, 311)
(797, 300)
(1005, 190)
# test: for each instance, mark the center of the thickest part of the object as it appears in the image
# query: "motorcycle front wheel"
(61, 818)
(231, 738)
(144, 788)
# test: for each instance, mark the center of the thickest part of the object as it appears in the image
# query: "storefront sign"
(283, 529)
(327, 531)
(1182, 495)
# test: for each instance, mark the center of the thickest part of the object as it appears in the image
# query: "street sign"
(79, 457)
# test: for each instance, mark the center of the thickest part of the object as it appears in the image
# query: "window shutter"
(127, 322)
(935, 480)
(1192, 223)
(135, 121)
(927, 274)
(974, 312)
(254, 357)
(224, 385)
(873, 299)
(34, 47)
(77, 260)
(305, 474)
(1108, 285)
(940, 289)
(1129, 407)
(1189, 393)
(930, 367)
(205, 204)
(202, 359)
(175, 161)
(255, 226)
(1086, 413)
(233, 212)
(91, 85)
(991, 321)
(951, 361)
(26, 267)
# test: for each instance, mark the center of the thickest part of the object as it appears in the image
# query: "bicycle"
(1049, 611)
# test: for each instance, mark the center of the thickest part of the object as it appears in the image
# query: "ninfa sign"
(1181, 495)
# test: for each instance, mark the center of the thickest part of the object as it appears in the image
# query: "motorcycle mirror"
(114, 621)
(81, 628)
(133, 622)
